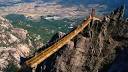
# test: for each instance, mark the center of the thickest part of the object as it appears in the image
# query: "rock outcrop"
(15, 44)
(100, 48)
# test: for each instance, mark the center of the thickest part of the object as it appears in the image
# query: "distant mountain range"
(111, 4)
(76, 2)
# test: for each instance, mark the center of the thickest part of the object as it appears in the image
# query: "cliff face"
(102, 47)
(14, 45)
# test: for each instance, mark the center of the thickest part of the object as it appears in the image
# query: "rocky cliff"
(101, 47)
(15, 44)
